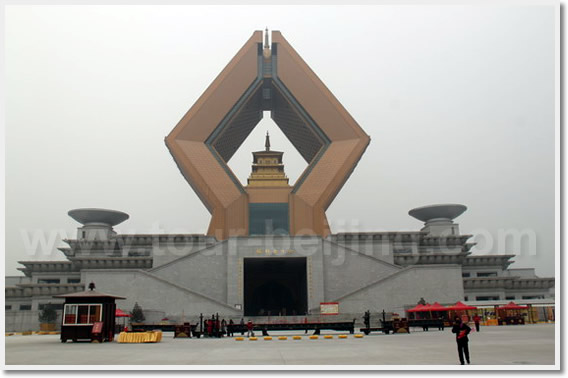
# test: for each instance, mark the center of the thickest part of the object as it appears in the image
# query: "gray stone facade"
(181, 276)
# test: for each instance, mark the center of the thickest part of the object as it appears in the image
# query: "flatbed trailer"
(304, 326)
(394, 326)
(259, 327)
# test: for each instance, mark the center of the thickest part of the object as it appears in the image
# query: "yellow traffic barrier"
(282, 338)
(328, 337)
(28, 333)
(342, 336)
(314, 337)
(268, 338)
(297, 337)
(252, 338)
(239, 338)
(9, 334)
(54, 332)
(358, 336)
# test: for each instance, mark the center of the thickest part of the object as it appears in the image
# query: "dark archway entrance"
(275, 286)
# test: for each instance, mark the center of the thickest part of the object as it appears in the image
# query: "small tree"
(48, 314)
(136, 315)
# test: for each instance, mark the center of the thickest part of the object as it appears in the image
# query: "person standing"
(462, 330)
(476, 320)
(367, 319)
(217, 327)
(242, 324)
(210, 328)
(224, 328)
(250, 327)
(230, 328)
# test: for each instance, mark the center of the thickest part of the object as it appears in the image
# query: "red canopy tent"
(512, 306)
(419, 307)
(437, 307)
(511, 314)
(120, 314)
(459, 306)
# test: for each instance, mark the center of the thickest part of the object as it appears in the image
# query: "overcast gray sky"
(458, 101)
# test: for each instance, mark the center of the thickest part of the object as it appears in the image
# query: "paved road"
(506, 345)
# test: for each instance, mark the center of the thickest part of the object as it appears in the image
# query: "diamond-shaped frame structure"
(257, 79)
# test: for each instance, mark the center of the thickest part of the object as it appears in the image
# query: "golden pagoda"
(267, 168)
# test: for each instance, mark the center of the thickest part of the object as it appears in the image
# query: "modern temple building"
(269, 249)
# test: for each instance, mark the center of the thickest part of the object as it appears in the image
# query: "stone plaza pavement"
(505, 345)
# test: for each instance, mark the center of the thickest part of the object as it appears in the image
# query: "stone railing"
(344, 237)
(422, 259)
(46, 266)
(488, 260)
(449, 241)
(144, 262)
(27, 290)
(13, 292)
(532, 283)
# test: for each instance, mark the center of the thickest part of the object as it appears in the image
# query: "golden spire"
(267, 168)
(266, 44)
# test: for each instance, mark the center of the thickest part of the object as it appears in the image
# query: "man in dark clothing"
(367, 319)
(230, 328)
(462, 330)
(476, 320)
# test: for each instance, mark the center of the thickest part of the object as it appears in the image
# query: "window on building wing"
(82, 314)
(486, 274)
(48, 281)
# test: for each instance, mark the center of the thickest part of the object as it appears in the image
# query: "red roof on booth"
(461, 306)
(88, 294)
(120, 314)
(419, 307)
(512, 306)
(437, 307)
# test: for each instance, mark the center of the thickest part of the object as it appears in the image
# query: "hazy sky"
(458, 101)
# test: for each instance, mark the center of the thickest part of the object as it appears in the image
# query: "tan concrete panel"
(206, 174)
(230, 221)
(312, 94)
(327, 171)
(200, 121)
(306, 219)
(343, 174)
(268, 195)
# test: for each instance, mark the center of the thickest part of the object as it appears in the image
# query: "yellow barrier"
(140, 337)
(268, 338)
(9, 334)
(358, 336)
(314, 337)
(253, 338)
(328, 337)
(342, 336)
(28, 333)
(54, 333)
(239, 338)
(297, 337)
(282, 338)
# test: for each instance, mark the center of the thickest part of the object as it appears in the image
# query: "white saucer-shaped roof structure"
(437, 212)
(98, 216)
